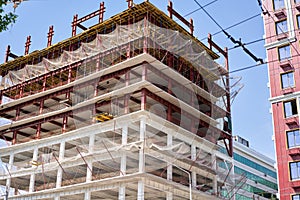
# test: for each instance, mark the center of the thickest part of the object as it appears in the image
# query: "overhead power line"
(234, 25)
(196, 10)
(237, 42)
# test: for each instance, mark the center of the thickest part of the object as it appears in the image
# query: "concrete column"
(123, 157)
(169, 196)
(32, 176)
(60, 158)
(87, 195)
(169, 167)
(122, 192)
(57, 197)
(142, 139)
(89, 175)
(140, 194)
(193, 157)
(142, 158)
(214, 167)
(122, 188)
(9, 167)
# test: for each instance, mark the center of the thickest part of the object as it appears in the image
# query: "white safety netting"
(159, 38)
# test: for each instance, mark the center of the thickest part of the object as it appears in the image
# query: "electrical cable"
(234, 25)
(252, 66)
(238, 42)
(200, 8)
(256, 65)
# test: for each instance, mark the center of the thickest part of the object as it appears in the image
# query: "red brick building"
(282, 22)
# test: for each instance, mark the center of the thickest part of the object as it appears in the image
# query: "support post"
(7, 53)
(38, 131)
(140, 190)
(170, 167)
(123, 158)
(32, 176)
(144, 72)
(144, 99)
(89, 168)
(50, 36)
(227, 82)
(141, 158)
(193, 157)
(214, 167)
(15, 134)
(169, 196)
(130, 3)
(122, 192)
(87, 195)
(122, 189)
(101, 13)
(64, 123)
(170, 8)
(228, 106)
(142, 139)
(27, 45)
(74, 24)
(17, 113)
(69, 74)
(61, 156)
(145, 35)
(191, 26)
(10, 164)
(41, 107)
(1, 94)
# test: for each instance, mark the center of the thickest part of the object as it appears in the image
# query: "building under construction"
(131, 108)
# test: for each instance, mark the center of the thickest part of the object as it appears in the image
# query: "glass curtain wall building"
(255, 174)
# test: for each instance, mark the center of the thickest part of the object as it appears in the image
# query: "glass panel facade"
(295, 170)
(250, 163)
(242, 197)
(287, 80)
(256, 178)
(284, 52)
(281, 27)
(293, 138)
(278, 4)
(254, 165)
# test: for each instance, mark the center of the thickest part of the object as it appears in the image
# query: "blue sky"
(250, 110)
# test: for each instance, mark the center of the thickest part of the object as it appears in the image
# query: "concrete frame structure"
(281, 21)
(161, 141)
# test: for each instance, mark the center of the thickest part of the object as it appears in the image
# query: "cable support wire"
(238, 42)
(256, 65)
(198, 9)
(234, 25)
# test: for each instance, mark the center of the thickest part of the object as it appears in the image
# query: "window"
(296, 197)
(278, 4)
(290, 108)
(284, 52)
(295, 170)
(281, 27)
(298, 20)
(287, 80)
(293, 138)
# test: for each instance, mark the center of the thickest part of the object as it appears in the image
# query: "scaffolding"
(134, 109)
